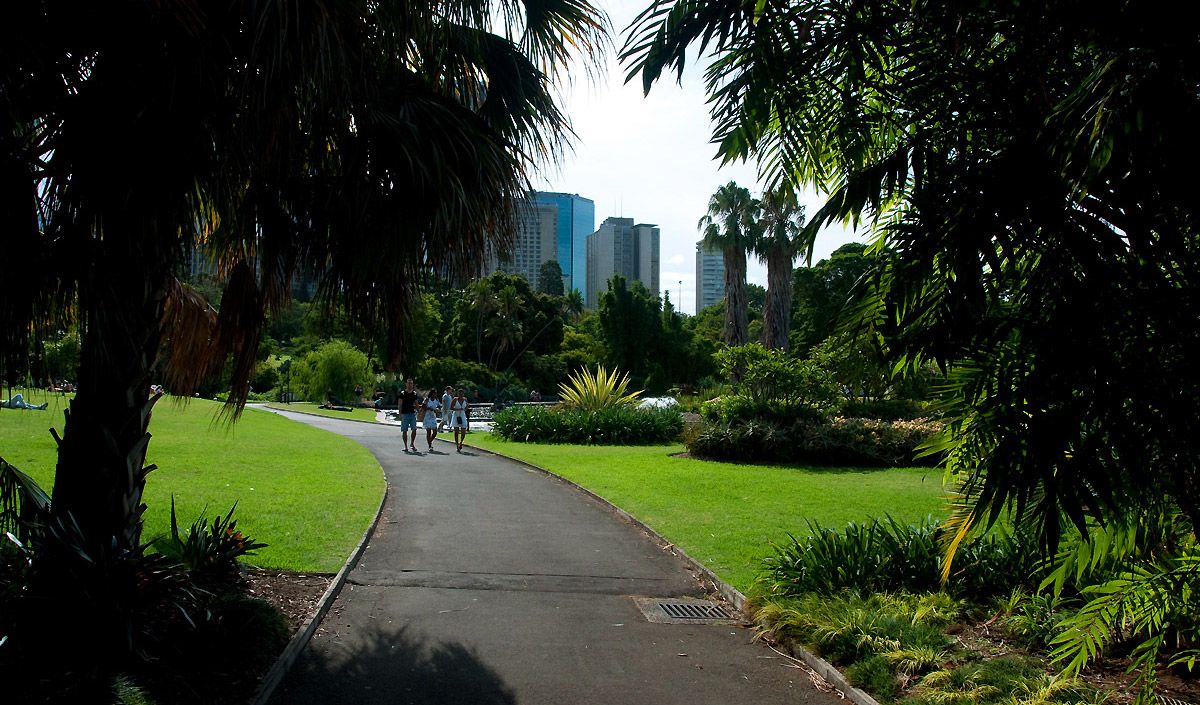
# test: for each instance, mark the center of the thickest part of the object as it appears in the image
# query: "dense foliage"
(614, 425)
(886, 556)
(178, 605)
(786, 409)
(1026, 168)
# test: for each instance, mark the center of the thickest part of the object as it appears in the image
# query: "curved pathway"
(486, 582)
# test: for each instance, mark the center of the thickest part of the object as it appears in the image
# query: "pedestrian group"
(450, 411)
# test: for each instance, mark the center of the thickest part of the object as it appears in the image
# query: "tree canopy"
(361, 144)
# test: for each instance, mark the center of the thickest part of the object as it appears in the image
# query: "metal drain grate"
(1165, 700)
(694, 610)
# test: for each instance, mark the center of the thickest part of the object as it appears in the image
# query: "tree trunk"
(777, 312)
(737, 324)
(101, 457)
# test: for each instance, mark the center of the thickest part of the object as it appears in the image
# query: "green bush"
(337, 367)
(732, 432)
(869, 442)
(884, 410)
(610, 426)
(887, 556)
(774, 376)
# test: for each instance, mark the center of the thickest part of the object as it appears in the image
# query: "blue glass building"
(576, 220)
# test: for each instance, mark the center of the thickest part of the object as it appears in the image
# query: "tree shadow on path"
(394, 668)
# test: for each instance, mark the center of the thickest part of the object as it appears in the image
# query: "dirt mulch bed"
(295, 594)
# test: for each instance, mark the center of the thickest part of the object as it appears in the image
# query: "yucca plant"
(601, 390)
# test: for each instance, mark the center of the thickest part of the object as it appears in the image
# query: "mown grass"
(307, 407)
(307, 493)
(727, 515)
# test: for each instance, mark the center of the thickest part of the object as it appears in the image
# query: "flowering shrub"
(832, 441)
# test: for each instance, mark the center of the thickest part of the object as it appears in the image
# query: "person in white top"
(458, 420)
(447, 397)
(430, 406)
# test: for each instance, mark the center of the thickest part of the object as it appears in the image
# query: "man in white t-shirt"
(447, 415)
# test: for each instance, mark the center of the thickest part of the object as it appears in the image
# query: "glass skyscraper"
(576, 220)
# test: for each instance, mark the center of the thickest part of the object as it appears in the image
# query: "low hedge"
(623, 425)
(830, 441)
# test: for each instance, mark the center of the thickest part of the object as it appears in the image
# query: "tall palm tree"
(779, 243)
(361, 142)
(505, 324)
(729, 227)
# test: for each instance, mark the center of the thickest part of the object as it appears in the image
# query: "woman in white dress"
(458, 419)
(430, 422)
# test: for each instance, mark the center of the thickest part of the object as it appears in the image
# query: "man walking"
(447, 415)
(408, 416)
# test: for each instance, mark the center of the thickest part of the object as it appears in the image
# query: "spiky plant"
(602, 390)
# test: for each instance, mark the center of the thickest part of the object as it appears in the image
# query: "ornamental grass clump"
(602, 390)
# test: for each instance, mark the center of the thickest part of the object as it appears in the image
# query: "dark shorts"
(408, 422)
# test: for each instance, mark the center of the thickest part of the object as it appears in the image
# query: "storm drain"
(685, 611)
(1166, 700)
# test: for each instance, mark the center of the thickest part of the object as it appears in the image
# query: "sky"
(650, 159)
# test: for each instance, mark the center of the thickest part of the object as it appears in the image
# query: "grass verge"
(307, 407)
(726, 515)
(307, 493)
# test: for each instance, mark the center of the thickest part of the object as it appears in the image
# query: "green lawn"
(308, 493)
(307, 407)
(726, 515)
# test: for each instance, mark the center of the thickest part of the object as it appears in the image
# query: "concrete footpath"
(486, 582)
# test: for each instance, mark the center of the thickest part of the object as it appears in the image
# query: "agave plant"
(602, 390)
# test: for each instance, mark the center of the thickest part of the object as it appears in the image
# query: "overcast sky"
(650, 159)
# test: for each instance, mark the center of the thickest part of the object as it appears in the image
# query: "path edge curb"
(273, 677)
(823, 668)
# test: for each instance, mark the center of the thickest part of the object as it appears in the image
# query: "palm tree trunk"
(737, 321)
(101, 456)
(777, 312)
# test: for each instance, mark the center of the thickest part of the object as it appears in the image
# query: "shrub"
(870, 442)
(731, 432)
(884, 410)
(886, 556)
(209, 550)
(772, 376)
(612, 426)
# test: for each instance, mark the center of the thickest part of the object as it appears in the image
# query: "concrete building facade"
(621, 247)
(536, 242)
(576, 220)
(710, 277)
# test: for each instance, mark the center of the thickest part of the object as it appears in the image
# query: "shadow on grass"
(807, 467)
(392, 668)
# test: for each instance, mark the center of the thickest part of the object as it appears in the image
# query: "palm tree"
(505, 325)
(778, 244)
(362, 142)
(483, 303)
(729, 228)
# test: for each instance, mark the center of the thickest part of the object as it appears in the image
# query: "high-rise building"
(620, 247)
(536, 242)
(710, 277)
(576, 220)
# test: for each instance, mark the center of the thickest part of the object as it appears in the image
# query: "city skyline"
(652, 157)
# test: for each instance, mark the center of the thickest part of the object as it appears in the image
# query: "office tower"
(621, 247)
(536, 242)
(576, 220)
(710, 277)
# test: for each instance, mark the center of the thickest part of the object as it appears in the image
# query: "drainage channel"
(685, 611)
